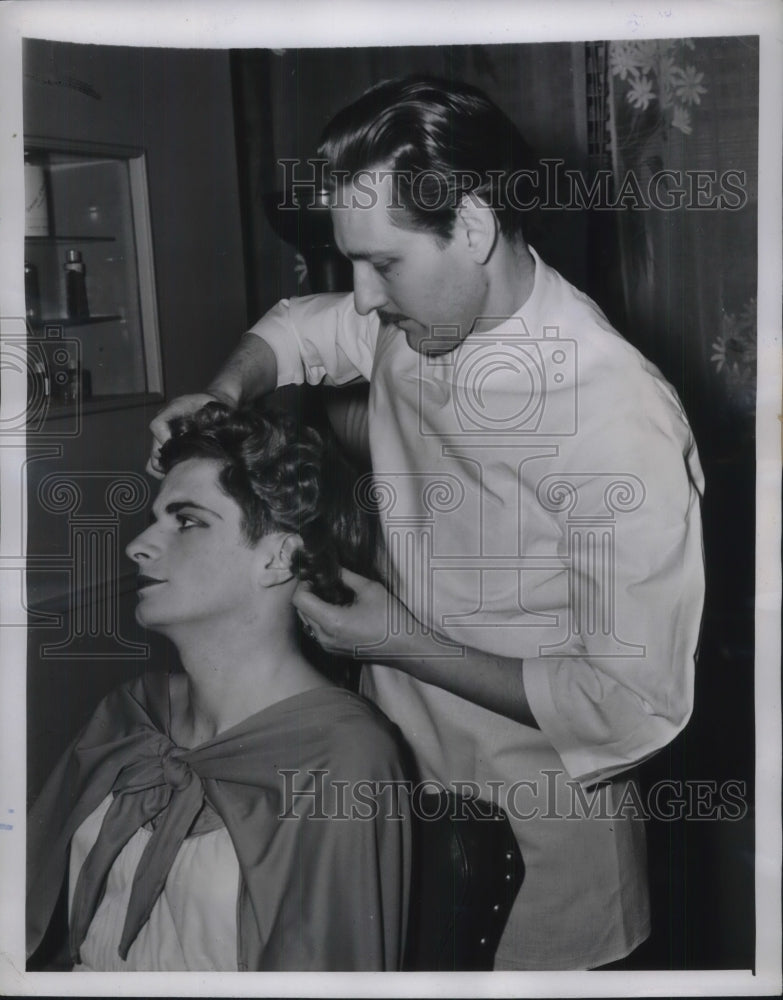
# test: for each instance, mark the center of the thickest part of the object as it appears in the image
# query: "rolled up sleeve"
(319, 338)
(625, 688)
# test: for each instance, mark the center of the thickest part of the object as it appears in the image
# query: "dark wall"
(176, 105)
(284, 99)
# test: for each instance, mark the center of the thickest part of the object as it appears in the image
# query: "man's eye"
(185, 522)
(383, 269)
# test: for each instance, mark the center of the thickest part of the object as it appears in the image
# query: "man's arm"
(493, 682)
(299, 340)
(249, 372)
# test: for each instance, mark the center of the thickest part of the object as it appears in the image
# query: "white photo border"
(309, 23)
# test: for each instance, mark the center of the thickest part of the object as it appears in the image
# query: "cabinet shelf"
(44, 240)
(93, 200)
(100, 404)
(68, 322)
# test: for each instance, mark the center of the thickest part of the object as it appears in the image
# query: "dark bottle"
(32, 293)
(75, 286)
(73, 386)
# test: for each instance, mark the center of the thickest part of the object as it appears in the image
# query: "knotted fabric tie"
(163, 784)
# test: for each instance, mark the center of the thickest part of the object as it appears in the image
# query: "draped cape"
(324, 868)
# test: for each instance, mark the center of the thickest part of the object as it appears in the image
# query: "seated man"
(224, 817)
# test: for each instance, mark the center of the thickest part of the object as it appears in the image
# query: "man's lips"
(391, 319)
(146, 581)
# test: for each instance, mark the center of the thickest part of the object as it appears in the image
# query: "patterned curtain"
(683, 129)
(683, 136)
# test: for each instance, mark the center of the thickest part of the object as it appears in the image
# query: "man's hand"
(249, 372)
(375, 616)
(179, 407)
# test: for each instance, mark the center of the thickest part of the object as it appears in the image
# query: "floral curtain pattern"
(683, 129)
(660, 71)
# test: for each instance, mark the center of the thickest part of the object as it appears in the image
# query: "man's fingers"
(307, 627)
(311, 607)
(159, 425)
(153, 468)
(353, 580)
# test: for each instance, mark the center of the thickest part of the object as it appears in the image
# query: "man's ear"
(479, 227)
(275, 556)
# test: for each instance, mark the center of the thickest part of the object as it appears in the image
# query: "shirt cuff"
(585, 764)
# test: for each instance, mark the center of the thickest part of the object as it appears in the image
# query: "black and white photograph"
(390, 457)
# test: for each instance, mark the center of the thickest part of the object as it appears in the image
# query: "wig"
(284, 478)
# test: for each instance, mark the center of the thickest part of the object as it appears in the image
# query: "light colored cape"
(315, 894)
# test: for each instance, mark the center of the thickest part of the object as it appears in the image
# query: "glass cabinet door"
(89, 276)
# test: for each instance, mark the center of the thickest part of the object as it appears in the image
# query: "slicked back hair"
(442, 140)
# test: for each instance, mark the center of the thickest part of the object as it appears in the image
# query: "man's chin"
(421, 342)
(148, 620)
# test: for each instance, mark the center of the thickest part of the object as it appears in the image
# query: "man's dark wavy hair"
(284, 478)
(449, 134)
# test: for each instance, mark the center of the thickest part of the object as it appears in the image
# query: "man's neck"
(512, 281)
(233, 674)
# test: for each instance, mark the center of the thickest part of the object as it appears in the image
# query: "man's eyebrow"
(383, 254)
(177, 505)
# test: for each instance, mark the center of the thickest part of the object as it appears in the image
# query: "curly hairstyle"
(439, 137)
(284, 477)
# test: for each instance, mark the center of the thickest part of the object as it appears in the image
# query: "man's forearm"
(249, 372)
(493, 682)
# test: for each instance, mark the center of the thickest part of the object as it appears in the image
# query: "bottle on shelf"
(75, 286)
(73, 387)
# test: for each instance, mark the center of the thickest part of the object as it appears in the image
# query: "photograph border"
(311, 24)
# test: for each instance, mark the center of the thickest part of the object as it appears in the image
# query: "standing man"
(539, 491)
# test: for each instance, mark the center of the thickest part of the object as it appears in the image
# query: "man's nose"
(143, 546)
(368, 291)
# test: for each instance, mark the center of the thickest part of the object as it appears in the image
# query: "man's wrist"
(223, 394)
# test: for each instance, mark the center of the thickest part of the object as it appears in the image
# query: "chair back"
(467, 871)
